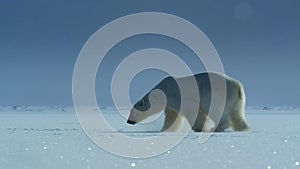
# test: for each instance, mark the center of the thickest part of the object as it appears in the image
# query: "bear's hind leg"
(173, 121)
(238, 120)
(224, 123)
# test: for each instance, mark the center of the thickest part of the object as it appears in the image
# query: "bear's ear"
(164, 83)
(165, 86)
(157, 96)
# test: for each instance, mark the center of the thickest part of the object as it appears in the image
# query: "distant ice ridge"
(290, 108)
(111, 108)
(53, 108)
(35, 108)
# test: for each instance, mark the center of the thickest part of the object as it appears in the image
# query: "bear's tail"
(241, 93)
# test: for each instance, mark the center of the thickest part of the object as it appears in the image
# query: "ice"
(51, 137)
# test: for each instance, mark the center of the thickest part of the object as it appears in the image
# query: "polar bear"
(153, 102)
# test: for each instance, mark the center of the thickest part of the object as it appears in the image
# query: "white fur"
(166, 96)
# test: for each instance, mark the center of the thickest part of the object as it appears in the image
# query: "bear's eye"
(142, 103)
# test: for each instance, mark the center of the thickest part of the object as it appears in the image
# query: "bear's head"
(152, 103)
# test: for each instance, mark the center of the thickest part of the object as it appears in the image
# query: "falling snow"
(132, 164)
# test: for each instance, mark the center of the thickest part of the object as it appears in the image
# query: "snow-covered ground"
(51, 137)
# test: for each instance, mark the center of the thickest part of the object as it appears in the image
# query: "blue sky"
(258, 43)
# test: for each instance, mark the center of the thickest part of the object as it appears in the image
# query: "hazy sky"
(258, 43)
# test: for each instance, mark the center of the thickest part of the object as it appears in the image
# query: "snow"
(51, 137)
(132, 164)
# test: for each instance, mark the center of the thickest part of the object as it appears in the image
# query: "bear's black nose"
(130, 122)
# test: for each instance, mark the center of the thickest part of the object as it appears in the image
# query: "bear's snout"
(131, 122)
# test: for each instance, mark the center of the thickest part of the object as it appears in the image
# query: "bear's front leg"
(200, 123)
(173, 121)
